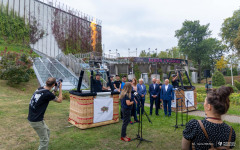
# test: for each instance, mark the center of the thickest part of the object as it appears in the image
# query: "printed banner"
(160, 60)
(189, 95)
(103, 109)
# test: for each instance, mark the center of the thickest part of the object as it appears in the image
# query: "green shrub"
(201, 90)
(237, 84)
(65, 95)
(185, 79)
(15, 67)
(123, 74)
(201, 97)
(136, 71)
(234, 99)
(234, 88)
(218, 79)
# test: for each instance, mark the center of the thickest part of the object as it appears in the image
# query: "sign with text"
(160, 60)
(189, 95)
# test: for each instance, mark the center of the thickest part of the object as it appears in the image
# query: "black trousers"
(134, 112)
(138, 105)
(126, 119)
(156, 101)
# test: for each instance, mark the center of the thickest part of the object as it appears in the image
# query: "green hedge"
(234, 88)
(234, 98)
(218, 79)
(237, 84)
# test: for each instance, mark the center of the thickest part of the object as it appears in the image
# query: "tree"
(163, 54)
(214, 49)
(221, 64)
(154, 55)
(229, 30)
(144, 54)
(191, 41)
(237, 41)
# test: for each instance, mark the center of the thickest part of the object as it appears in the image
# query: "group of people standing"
(131, 107)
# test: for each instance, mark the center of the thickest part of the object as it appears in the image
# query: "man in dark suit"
(167, 95)
(142, 91)
(154, 92)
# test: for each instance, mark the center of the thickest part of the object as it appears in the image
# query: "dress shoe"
(128, 139)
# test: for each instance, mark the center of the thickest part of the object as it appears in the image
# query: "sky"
(144, 24)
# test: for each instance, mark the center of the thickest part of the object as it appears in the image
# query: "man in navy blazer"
(167, 95)
(154, 90)
(142, 91)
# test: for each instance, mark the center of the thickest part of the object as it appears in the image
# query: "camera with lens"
(57, 84)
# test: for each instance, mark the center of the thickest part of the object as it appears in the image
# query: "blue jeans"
(138, 105)
(167, 106)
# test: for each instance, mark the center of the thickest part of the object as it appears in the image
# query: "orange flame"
(94, 34)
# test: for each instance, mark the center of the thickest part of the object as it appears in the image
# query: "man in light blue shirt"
(124, 79)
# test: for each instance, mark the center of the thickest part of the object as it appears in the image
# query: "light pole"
(167, 52)
(128, 52)
(149, 51)
(156, 51)
(136, 52)
(231, 69)
(116, 53)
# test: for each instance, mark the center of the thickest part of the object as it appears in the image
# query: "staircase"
(49, 67)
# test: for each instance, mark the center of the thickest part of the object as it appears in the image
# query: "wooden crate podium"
(181, 100)
(81, 112)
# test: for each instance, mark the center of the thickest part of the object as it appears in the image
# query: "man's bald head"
(154, 80)
(166, 81)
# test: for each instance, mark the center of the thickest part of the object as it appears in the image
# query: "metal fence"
(59, 27)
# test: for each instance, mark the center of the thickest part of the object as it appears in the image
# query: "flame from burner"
(94, 34)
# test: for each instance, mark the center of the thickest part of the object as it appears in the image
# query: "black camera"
(57, 84)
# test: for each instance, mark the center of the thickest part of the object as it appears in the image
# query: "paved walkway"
(229, 118)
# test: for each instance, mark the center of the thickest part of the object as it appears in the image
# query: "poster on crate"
(189, 95)
(173, 104)
(103, 109)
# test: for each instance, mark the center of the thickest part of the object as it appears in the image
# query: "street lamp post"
(231, 70)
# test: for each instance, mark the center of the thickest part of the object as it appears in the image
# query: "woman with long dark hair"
(211, 132)
(126, 107)
(134, 107)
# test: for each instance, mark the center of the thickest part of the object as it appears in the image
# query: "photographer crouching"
(37, 107)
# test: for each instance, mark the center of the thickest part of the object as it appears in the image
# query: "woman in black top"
(214, 132)
(126, 106)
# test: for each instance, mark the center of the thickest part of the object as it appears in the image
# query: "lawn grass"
(16, 133)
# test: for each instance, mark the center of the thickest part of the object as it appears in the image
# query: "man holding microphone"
(37, 107)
